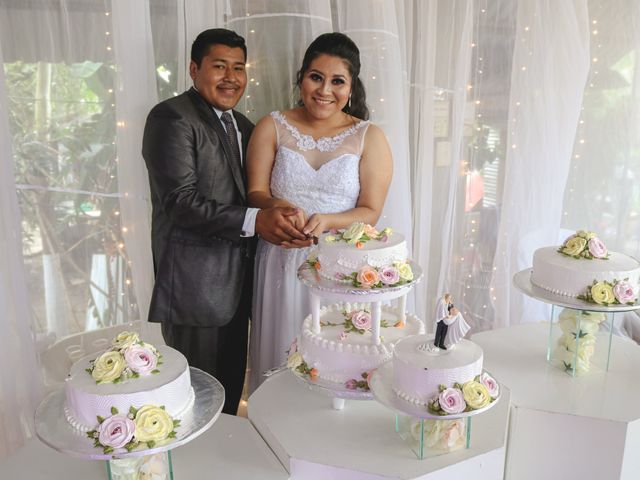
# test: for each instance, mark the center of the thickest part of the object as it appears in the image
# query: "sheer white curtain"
(20, 380)
(550, 65)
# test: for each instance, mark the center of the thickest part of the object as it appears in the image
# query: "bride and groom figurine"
(450, 325)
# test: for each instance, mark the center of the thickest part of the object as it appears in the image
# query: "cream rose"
(294, 360)
(152, 424)
(476, 395)
(574, 246)
(585, 346)
(354, 232)
(602, 293)
(125, 339)
(404, 269)
(108, 367)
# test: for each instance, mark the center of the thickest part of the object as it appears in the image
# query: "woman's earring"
(349, 103)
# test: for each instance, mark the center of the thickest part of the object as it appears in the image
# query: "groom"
(444, 311)
(195, 147)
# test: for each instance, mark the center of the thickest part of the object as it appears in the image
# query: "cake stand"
(320, 287)
(381, 385)
(522, 281)
(55, 431)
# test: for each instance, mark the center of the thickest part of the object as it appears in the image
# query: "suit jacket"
(199, 202)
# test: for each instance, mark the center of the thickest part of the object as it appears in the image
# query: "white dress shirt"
(249, 224)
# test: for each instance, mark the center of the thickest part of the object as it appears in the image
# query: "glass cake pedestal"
(576, 328)
(53, 429)
(322, 288)
(426, 434)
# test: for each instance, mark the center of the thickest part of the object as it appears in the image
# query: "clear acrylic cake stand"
(425, 433)
(320, 287)
(522, 281)
(55, 431)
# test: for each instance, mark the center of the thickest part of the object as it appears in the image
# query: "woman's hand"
(316, 225)
(298, 221)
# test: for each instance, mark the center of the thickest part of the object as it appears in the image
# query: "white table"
(584, 428)
(315, 441)
(230, 449)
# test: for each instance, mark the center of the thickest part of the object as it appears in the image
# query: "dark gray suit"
(202, 292)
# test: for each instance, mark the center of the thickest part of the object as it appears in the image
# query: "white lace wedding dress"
(280, 301)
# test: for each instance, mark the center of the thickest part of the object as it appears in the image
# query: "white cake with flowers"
(129, 397)
(363, 256)
(582, 267)
(342, 351)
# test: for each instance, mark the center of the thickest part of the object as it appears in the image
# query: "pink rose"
(369, 375)
(351, 384)
(116, 431)
(361, 320)
(294, 346)
(452, 401)
(141, 359)
(452, 433)
(370, 231)
(368, 277)
(343, 336)
(389, 275)
(492, 386)
(624, 292)
(597, 248)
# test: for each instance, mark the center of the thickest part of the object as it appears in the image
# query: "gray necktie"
(232, 136)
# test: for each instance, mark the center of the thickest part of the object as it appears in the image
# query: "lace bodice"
(335, 185)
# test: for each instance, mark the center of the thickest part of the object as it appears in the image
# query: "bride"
(457, 327)
(326, 160)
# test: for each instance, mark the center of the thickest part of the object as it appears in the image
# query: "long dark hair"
(339, 45)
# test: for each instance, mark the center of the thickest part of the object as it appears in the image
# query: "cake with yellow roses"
(583, 268)
(131, 394)
(363, 256)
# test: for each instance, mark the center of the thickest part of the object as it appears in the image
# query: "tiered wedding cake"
(343, 342)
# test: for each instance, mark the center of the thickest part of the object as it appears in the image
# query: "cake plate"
(337, 391)
(522, 281)
(320, 287)
(55, 431)
(381, 385)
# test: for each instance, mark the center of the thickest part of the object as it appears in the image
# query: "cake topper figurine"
(450, 325)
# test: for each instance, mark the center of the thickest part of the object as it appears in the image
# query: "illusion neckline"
(324, 144)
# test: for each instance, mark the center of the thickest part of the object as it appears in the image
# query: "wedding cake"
(343, 352)
(363, 256)
(130, 394)
(582, 267)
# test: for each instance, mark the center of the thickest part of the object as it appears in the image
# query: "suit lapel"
(211, 119)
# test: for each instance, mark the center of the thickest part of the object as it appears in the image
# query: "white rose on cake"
(354, 232)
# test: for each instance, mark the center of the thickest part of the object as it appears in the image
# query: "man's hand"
(275, 225)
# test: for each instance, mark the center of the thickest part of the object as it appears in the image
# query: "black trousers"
(441, 334)
(219, 351)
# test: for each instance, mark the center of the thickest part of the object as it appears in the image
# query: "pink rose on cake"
(624, 292)
(452, 401)
(360, 319)
(370, 231)
(141, 359)
(367, 277)
(116, 431)
(492, 386)
(389, 275)
(597, 248)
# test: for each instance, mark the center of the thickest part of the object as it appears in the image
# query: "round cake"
(419, 372)
(340, 258)
(344, 353)
(570, 276)
(170, 387)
